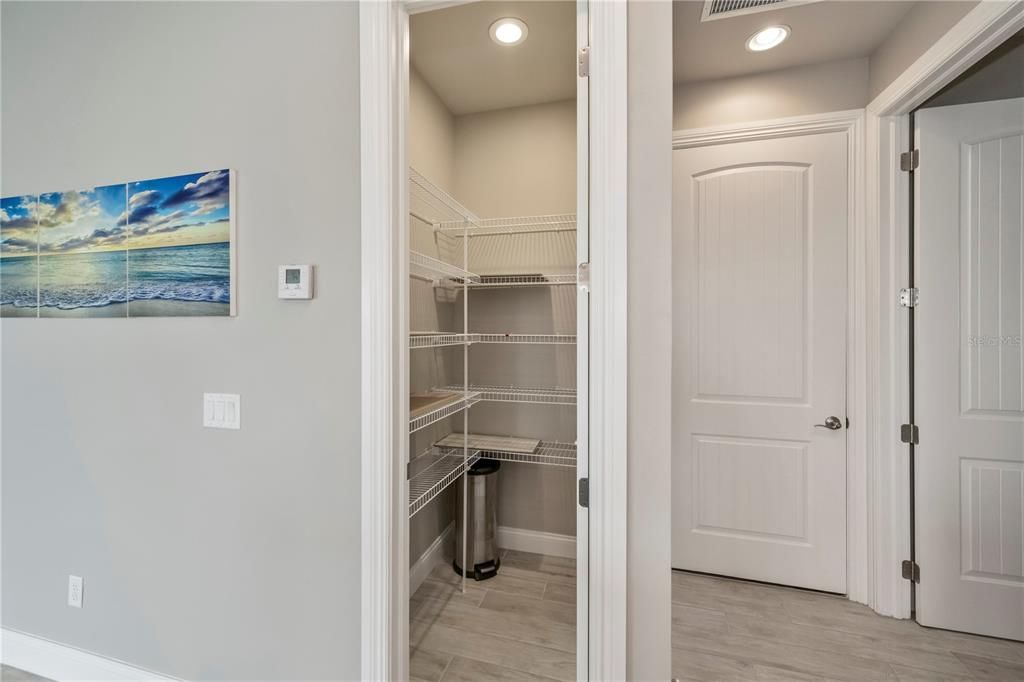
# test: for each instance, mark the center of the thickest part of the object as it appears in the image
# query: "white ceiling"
(452, 50)
(822, 32)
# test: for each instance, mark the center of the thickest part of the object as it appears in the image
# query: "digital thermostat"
(295, 281)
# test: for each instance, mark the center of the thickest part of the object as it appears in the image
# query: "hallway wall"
(206, 554)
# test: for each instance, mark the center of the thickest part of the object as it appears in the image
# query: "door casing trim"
(850, 123)
(384, 622)
(887, 228)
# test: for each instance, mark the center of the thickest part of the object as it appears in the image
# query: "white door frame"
(850, 123)
(383, 31)
(887, 134)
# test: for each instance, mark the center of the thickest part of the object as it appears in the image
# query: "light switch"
(222, 410)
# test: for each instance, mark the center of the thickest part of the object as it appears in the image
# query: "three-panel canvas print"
(152, 248)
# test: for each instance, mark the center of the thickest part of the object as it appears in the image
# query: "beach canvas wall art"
(19, 257)
(83, 265)
(151, 248)
(179, 245)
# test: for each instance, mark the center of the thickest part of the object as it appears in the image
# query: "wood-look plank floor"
(519, 625)
(726, 629)
(9, 674)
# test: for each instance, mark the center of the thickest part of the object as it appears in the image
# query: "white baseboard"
(438, 552)
(64, 663)
(536, 541)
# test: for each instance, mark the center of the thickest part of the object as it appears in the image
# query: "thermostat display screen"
(291, 276)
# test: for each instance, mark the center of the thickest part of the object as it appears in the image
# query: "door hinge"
(910, 160)
(911, 571)
(583, 277)
(584, 492)
(909, 297)
(583, 62)
(909, 434)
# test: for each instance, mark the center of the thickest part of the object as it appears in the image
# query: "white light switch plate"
(75, 585)
(222, 410)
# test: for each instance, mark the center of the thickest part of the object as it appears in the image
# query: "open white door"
(759, 360)
(582, 349)
(969, 368)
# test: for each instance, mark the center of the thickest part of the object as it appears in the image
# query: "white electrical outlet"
(75, 591)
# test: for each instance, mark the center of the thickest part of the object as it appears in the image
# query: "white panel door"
(759, 358)
(969, 368)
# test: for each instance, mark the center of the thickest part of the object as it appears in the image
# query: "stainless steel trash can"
(481, 521)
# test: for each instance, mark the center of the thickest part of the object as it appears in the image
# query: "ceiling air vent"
(723, 9)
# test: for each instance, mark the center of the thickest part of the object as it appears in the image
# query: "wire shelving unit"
(432, 269)
(551, 453)
(506, 281)
(489, 227)
(440, 339)
(511, 394)
(557, 339)
(447, 466)
(466, 400)
(453, 226)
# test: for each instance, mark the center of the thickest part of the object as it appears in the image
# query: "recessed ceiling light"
(767, 38)
(508, 31)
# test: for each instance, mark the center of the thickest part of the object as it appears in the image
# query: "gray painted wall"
(1000, 75)
(920, 28)
(798, 91)
(206, 554)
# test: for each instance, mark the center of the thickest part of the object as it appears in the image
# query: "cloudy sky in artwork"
(17, 226)
(174, 211)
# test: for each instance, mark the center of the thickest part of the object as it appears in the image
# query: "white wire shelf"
(508, 394)
(558, 339)
(486, 227)
(438, 340)
(441, 339)
(448, 465)
(524, 280)
(426, 267)
(431, 204)
(446, 410)
(553, 453)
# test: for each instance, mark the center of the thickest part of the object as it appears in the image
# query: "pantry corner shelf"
(448, 465)
(457, 403)
(426, 267)
(439, 339)
(432, 205)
